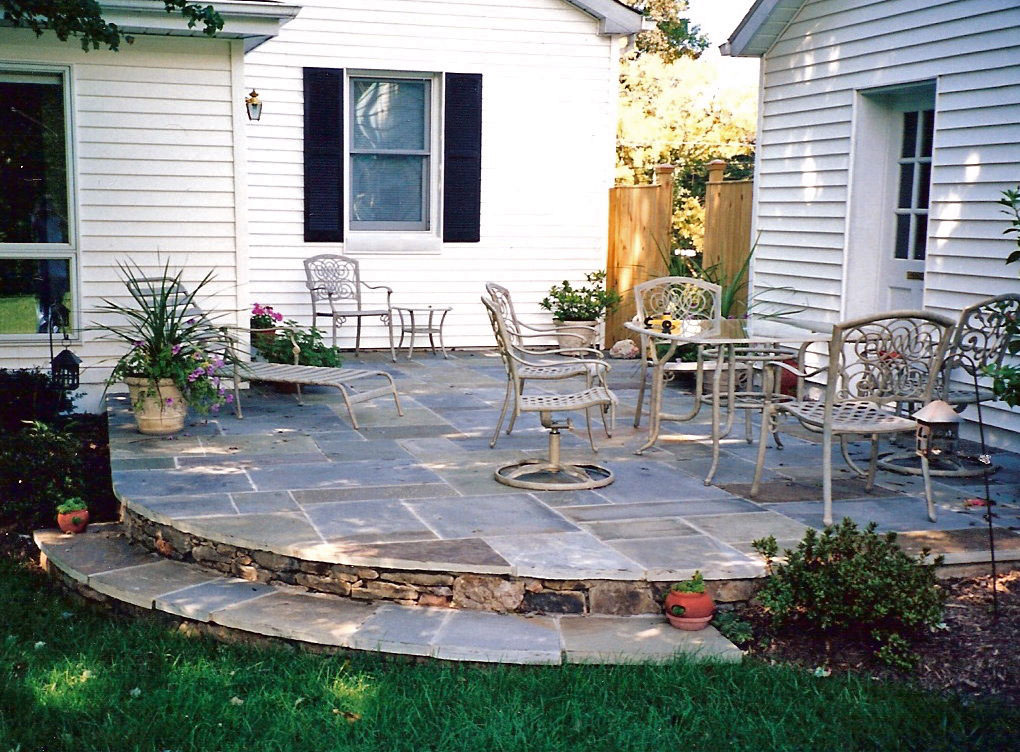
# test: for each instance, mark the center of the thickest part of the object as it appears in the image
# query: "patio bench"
(355, 385)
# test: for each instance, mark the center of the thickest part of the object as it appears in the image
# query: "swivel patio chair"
(539, 365)
(874, 363)
(337, 280)
(551, 473)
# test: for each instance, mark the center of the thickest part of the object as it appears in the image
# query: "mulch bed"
(976, 655)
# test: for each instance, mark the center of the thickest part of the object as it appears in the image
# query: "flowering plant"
(264, 317)
(169, 338)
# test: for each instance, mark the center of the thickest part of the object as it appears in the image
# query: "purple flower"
(176, 349)
(190, 321)
(215, 408)
(228, 398)
(169, 400)
(137, 343)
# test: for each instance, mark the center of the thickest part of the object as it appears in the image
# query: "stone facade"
(486, 592)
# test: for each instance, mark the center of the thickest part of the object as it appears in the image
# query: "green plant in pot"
(175, 350)
(292, 344)
(687, 604)
(72, 515)
(577, 310)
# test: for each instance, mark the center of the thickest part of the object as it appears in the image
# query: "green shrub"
(696, 584)
(732, 627)
(39, 468)
(74, 504)
(27, 395)
(314, 352)
(847, 580)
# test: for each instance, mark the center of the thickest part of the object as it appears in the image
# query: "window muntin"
(390, 153)
(914, 184)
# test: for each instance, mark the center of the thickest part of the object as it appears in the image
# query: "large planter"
(159, 407)
(571, 334)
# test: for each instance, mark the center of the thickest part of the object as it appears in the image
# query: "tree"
(674, 36)
(84, 19)
(683, 113)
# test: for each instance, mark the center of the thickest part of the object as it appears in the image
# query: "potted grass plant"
(175, 350)
(687, 605)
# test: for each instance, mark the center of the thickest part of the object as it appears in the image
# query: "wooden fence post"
(727, 230)
(640, 219)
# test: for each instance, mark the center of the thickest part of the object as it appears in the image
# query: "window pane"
(921, 236)
(902, 236)
(388, 188)
(927, 133)
(906, 186)
(389, 115)
(34, 292)
(909, 134)
(33, 165)
(924, 186)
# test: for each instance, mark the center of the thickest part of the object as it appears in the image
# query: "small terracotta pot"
(787, 380)
(689, 623)
(696, 605)
(66, 521)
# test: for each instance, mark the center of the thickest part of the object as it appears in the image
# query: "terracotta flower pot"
(262, 338)
(698, 609)
(73, 522)
(159, 407)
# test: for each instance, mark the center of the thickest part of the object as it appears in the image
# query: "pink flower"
(277, 316)
(169, 400)
(228, 398)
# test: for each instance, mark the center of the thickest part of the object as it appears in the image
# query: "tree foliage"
(682, 112)
(674, 36)
(84, 19)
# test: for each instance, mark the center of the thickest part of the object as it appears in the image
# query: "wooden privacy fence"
(640, 217)
(640, 220)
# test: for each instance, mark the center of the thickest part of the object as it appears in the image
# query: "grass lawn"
(74, 678)
(18, 315)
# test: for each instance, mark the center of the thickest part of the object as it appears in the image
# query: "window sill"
(392, 242)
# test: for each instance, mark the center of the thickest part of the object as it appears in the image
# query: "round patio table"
(732, 344)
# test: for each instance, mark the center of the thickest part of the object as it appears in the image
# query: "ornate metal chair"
(537, 364)
(337, 280)
(548, 474)
(681, 298)
(874, 362)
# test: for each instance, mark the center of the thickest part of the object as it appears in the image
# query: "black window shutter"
(462, 158)
(324, 155)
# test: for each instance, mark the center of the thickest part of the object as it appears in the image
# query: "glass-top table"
(730, 344)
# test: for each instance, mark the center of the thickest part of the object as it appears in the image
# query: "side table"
(426, 323)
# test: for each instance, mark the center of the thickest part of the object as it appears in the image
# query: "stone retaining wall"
(486, 592)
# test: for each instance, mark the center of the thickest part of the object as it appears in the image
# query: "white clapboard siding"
(549, 89)
(152, 132)
(832, 48)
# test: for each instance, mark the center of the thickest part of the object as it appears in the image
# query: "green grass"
(74, 678)
(18, 315)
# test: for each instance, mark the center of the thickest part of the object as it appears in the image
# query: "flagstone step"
(104, 561)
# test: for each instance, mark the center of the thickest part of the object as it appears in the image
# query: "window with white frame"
(390, 153)
(914, 184)
(37, 258)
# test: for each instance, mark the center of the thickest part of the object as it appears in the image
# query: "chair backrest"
(982, 334)
(678, 297)
(501, 297)
(887, 357)
(334, 278)
(504, 343)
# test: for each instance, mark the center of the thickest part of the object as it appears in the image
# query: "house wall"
(832, 49)
(153, 161)
(548, 145)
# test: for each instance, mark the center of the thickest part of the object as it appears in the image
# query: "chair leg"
(872, 463)
(767, 416)
(389, 326)
(926, 472)
(333, 319)
(827, 476)
(502, 414)
(357, 338)
(587, 422)
(514, 413)
(641, 391)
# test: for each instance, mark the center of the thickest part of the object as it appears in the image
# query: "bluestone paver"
(198, 602)
(598, 639)
(144, 583)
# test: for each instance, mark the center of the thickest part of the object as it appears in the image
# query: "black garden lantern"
(938, 430)
(64, 369)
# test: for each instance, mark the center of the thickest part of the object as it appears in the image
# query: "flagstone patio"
(417, 492)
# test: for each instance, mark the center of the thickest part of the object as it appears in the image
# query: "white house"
(887, 131)
(506, 126)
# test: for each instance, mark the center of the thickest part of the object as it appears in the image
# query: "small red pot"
(787, 380)
(696, 605)
(690, 624)
(66, 521)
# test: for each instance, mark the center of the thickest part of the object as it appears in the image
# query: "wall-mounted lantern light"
(253, 105)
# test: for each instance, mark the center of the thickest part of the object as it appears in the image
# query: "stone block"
(322, 584)
(417, 578)
(276, 562)
(553, 602)
(377, 590)
(247, 572)
(180, 542)
(621, 599)
(565, 585)
(208, 554)
(320, 568)
(442, 590)
(487, 593)
(727, 591)
(439, 601)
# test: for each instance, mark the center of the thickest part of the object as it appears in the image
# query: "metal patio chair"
(538, 365)
(551, 473)
(337, 280)
(874, 363)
